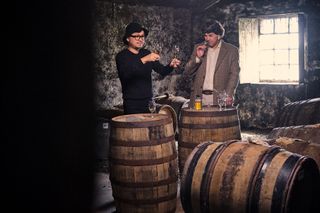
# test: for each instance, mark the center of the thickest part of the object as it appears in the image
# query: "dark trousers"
(133, 106)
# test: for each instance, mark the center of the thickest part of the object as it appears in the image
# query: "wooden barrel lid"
(140, 120)
(208, 112)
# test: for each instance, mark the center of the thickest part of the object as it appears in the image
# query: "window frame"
(253, 35)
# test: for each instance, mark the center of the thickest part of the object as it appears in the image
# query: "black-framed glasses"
(137, 37)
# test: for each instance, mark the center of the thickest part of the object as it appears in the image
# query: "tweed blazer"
(226, 74)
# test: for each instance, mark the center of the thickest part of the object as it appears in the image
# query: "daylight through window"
(269, 49)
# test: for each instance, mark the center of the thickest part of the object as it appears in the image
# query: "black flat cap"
(133, 27)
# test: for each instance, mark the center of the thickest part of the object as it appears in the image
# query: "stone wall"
(167, 27)
(258, 104)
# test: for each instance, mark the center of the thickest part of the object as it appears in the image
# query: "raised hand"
(201, 50)
(150, 58)
(175, 63)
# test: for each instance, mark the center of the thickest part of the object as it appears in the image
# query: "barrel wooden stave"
(176, 102)
(302, 112)
(198, 173)
(209, 124)
(299, 146)
(269, 182)
(168, 110)
(248, 177)
(161, 207)
(143, 163)
(195, 135)
(233, 173)
(309, 133)
(145, 199)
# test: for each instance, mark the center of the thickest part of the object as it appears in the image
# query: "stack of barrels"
(304, 112)
(298, 128)
(219, 172)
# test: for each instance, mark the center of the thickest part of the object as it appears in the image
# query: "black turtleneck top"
(135, 77)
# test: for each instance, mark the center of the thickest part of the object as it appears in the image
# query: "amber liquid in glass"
(197, 104)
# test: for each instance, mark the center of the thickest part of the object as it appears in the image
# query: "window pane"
(270, 50)
(281, 57)
(294, 57)
(281, 25)
(266, 26)
(294, 73)
(294, 24)
(281, 41)
(266, 42)
(294, 41)
(266, 57)
(267, 73)
(282, 72)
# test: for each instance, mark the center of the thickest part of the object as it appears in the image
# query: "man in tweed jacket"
(213, 66)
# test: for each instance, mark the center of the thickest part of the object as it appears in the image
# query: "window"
(272, 49)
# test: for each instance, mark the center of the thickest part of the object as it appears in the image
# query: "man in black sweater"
(135, 65)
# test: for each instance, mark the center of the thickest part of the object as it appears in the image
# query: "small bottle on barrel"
(198, 103)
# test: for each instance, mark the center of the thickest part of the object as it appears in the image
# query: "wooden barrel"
(176, 102)
(208, 124)
(143, 163)
(299, 146)
(168, 110)
(300, 113)
(309, 133)
(238, 176)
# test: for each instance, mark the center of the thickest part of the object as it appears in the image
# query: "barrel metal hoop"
(144, 162)
(145, 124)
(134, 143)
(282, 183)
(171, 179)
(262, 164)
(284, 115)
(294, 114)
(207, 175)
(209, 126)
(185, 189)
(294, 173)
(137, 202)
(315, 119)
(203, 113)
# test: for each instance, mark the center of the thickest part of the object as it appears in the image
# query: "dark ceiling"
(192, 4)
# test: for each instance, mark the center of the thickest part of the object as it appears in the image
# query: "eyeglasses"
(137, 37)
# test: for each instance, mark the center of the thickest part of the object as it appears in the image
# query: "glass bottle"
(198, 103)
